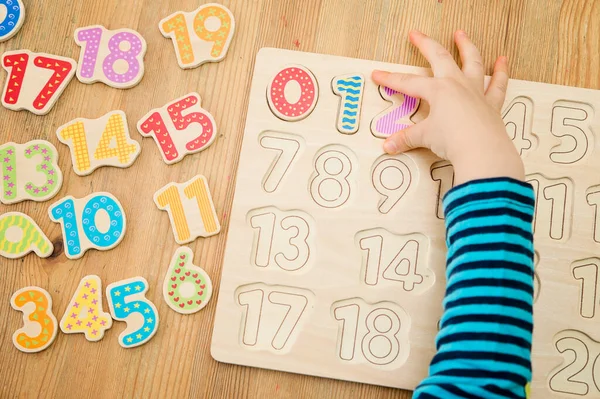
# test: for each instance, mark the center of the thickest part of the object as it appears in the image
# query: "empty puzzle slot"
(395, 260)
(376, 334)
(289, 148)
(283, 240)
(272, 315)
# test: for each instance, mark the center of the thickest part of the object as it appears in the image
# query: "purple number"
(92, 38)
(129, 56)
(389, 124)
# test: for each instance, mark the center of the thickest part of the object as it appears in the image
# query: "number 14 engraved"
(391, 259)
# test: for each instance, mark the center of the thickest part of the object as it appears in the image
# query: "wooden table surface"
(546, 40)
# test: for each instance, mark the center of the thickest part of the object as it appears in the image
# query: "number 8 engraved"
(383, 323)
(332, 183)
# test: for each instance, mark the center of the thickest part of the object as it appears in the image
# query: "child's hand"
(464, 125)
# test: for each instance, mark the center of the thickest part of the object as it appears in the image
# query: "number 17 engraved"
(273, 315)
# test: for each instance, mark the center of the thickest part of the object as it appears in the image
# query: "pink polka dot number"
(309, 93)
(129, 56)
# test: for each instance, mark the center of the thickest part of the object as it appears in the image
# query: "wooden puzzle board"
(327, 306)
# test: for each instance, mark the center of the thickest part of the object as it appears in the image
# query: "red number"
(174, 149)
(181, 122)
(61, 70)
(155, 124)
(22, 67)
(18, 65)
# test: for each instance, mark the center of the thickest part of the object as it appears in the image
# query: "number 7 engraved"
(289, 148)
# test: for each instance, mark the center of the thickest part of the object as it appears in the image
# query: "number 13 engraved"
(377, 334)
(273, 315)
(284, 239)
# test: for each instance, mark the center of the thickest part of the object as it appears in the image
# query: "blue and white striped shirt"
(484, 345)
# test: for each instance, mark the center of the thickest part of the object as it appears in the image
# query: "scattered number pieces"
(40, 327)
(191, 209)
(397, 117)
(99, 142)
(96, 221)
(295, 102)
(12, 20)
(29, 172)
(20, 235)
(29, 84)
(127, 302)
(200, 36)
(84, 313)
(187, 288)
(179, 128)
(113, 57)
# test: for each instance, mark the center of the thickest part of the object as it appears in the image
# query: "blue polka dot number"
(15, 13)
(123, 306)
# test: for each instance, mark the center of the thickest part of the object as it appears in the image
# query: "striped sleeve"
(484, 344)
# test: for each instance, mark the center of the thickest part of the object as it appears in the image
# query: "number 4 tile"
(99, 142)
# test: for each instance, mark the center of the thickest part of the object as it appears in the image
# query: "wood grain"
(554, 42)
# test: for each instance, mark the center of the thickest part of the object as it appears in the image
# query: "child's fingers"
(472, 65)
(496, 92)
(405, 140)
(442, 63)
(406, 83)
